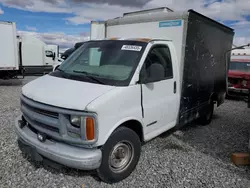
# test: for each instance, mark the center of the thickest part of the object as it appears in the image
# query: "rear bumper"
(71, 156)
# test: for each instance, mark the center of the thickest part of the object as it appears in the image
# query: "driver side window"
(158, 64)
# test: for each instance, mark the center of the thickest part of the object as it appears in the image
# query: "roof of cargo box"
(154, 10)
(152, 15)
(146, 40)
(6, 22)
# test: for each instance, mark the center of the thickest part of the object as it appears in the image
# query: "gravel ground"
(195, 156)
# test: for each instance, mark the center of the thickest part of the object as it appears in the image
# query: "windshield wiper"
(88, 75)
(62, 72)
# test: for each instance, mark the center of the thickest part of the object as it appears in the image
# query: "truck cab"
(239, 73)
(112, 97)
(51, 54)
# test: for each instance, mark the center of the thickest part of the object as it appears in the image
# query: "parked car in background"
(78, 44)
(68, 52)
(239, 73)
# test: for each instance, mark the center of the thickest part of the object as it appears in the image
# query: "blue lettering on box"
(171, 23)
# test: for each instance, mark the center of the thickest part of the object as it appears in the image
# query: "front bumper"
(71, 156)
(237, 90)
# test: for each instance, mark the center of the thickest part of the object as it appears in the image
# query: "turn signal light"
(90, 128)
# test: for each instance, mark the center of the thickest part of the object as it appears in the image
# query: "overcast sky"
(65, 22)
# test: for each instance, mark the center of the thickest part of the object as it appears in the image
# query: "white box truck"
(152, 72)
(9, 61)
(36, 57)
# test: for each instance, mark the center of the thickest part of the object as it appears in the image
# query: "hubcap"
(121, 156)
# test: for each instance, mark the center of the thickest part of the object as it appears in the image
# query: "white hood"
(63, 93)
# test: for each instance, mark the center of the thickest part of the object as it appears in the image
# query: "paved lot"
(196, 156)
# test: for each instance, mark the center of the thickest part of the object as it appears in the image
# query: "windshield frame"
(105, 81)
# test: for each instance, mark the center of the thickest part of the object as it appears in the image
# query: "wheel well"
(214, 97)
(135, 126)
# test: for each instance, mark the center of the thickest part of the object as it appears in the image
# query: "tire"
(111, 170)
(208, 116)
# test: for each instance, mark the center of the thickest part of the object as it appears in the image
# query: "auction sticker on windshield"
(132, 48)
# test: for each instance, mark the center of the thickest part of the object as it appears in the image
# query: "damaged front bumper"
(237, 90)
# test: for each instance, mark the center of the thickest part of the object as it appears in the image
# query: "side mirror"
(156, 73)
(49, 54)
(144, 79)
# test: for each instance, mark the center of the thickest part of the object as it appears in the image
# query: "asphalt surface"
(195, 157)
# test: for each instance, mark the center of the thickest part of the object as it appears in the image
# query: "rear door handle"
(174, 86)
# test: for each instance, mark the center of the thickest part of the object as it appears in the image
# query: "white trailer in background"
(9, 61)
(24, 55)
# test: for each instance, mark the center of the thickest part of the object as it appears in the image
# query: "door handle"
(174, 86)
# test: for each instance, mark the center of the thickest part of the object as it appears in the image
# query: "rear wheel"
(206, 118)
(120, 155)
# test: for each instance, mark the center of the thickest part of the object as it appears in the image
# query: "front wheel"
(120, 155)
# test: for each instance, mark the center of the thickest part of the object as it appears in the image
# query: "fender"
(119, 123)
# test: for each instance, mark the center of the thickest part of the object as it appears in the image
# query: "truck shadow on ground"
(57, 169)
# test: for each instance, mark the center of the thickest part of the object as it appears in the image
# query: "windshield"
(107, 62)
(239, 66)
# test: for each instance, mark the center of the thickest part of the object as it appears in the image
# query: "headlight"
(76, 121)
(89, 125)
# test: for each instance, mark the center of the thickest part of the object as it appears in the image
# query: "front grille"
(47, 127)
(41, 111)
(234, 81)
(53, 121)
(40, 119)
